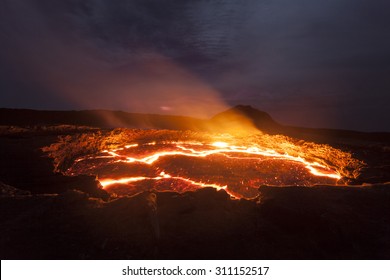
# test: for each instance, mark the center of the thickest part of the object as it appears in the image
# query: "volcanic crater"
(236, 186)
(129, 161)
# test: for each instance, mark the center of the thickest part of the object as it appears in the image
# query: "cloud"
(276, 55)
(70, 65)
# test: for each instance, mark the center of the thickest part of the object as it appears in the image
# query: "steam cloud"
(328, 60)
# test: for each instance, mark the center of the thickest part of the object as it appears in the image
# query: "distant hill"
(247, 118)
(260, 117)
(240, 118)
(96, 118)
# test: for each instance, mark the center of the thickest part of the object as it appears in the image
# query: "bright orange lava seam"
(221, 148)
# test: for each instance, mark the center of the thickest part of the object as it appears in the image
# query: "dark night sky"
(310, 63)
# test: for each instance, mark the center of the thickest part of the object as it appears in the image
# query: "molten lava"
(182, 166)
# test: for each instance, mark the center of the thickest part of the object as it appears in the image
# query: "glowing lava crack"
(183, 166)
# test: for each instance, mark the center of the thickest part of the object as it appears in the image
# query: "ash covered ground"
(51, 215)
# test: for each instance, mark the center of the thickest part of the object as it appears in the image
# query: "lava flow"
(186, 166)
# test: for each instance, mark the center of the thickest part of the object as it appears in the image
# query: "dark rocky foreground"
(285, 223)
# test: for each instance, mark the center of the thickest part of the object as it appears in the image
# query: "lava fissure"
(129, 161)
(131, 154)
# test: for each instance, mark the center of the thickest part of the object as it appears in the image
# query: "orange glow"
(130, 161)
(222, 148)
(220, 144)
(152, 154)
(107, 182)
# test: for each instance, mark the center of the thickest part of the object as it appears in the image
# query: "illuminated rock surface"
(73, 218)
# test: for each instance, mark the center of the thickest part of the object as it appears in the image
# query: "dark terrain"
(47, 215)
